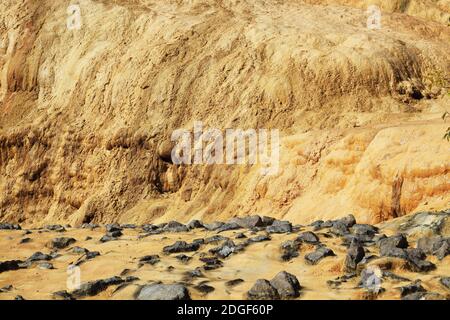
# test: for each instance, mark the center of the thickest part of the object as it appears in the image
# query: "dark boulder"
(62, 295)
(249, 222)
(113, 227)
(308, 237)
(355, 254)
(93, 288)
(289, 250)
(9, 265)
(234, 282)
(55, 227)
(227, 227)
(215, 239)
(279, 227)
(181, 246)
(263, 290)
(204, 288)
(163, 292)
(319, 254)
(195, 224)
(213, 226)
(411, 288)
(150, 259)
(9, 226)
(445, 281)
(174, 226)
(39, 256)
(61, 243)
(286, 284)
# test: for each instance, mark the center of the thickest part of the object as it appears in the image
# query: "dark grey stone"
(263, 290)
(286, 284)
(163, 292)
(319, 254)
(308, 237)
(355, 254)
(9, 265)
(181, 246)
(61, 243)
(279, 227)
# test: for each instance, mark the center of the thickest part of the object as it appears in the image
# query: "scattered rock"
(211, 263)
(204, 288)
(355, 254)
(290, 250)
(424, 296)
(444, 250)
(249, 222)
(349, 221)
(430, 245)
(195, 224)
(215, 239)
(61, 243)
(286, 284)
(163, 292)
(25, 240)
(240, 236)
(9, 226)
(411, 288)
(227, 227)
(364, 230)
(308, 237)
(45, 266)
(39, 256)
(397, 241)
(183, 258)
(263, 290)
(113, 227)
(92, 254)
(319, 254)
(181, 246)
(128, 226)
(234, 282)
(339, 229)
(151, 259)
(392, 276)
(79, 250)
(279, 227)
(6, 288)
(259, 238)
(91, 226)
(394, 246)
(267, 221)
(223, 251)
(445, 281)
(196, 273)
(213, 226)
(62, 295)
(93, 288)
(56, 227)
(174, 226)
(19, 298)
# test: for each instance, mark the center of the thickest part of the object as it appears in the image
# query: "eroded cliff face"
(87, 115)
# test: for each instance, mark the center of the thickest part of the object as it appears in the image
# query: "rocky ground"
(244, 258)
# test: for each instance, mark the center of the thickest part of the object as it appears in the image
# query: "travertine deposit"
(87, 115)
